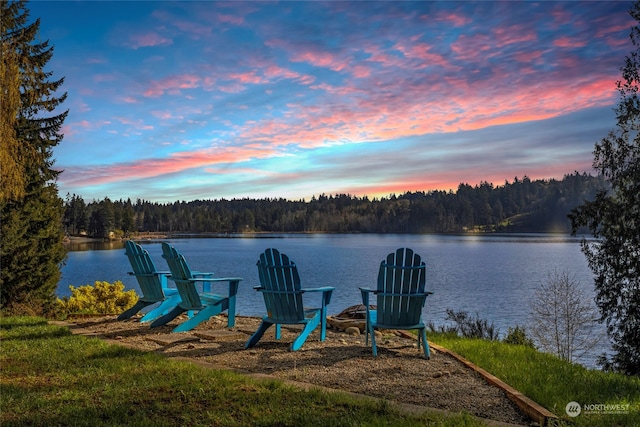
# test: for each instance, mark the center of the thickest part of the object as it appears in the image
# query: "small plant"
(467, 326)
(518, 336)
(101, 298)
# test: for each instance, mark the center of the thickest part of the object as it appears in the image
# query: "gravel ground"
(342, 362)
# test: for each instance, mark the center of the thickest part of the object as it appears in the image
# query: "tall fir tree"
(11, 170)
(31, 243)
(614, 219)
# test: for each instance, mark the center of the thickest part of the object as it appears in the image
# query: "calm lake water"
(493, 276)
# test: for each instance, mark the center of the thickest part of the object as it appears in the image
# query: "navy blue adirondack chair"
(203, 304)
(400, 296)
(153, 285)
(283, 298)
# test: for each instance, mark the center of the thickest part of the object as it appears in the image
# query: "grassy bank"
(552, 382)
(50, 377)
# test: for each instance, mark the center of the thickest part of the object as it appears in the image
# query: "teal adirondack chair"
(400, 297)
(203, 304)
(153, 285)
(282, 293)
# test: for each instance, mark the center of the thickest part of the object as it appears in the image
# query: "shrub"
(467, 326)
(518, 336)
(101, 298)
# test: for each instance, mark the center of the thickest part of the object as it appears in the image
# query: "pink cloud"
(504, 36)
(613, 29)
(360, 71)
(194, 29)
(165, 115)
(421, 51)
(83, 125)
(135, 125)
(149, 39)
(320, 59)
(568, 42)
(457, 20)
(528, 56)
(377, 54)
(469, 48)
(149, 168)
(249, 77)
(231, 19)
(172, 84)
(389, 110)
(129, 100)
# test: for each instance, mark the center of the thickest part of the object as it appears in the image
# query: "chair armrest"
(276, 292)
(201, 274)
(215, 279)
(396, 294)
(365, 297)
(327, 291)
(233, 283)
(155, 273)
(322, 289)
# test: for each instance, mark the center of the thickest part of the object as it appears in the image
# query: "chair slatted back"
(400, 290)
(280, 286)
(144, 270)
(181, 275)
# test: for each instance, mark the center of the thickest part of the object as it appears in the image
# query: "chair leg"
(162, 309)
(177, 311)
(133, 310)
(425, 344)
(231, 311)
(308, 328)
(323, 323)
(253, 340)
(374, 348)
(202, 316)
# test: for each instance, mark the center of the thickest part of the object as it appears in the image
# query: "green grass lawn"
(552, 382)
(49, 377)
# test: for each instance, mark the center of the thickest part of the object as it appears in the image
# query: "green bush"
(101, 298)
(518, 336)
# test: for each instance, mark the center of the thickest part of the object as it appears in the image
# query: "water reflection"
(93, 245)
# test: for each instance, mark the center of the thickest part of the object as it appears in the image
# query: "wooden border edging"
(536, 412)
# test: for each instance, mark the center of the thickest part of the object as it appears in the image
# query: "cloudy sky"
(206, 100)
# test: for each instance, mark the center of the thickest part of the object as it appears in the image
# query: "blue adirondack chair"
(400, 297)
(153, 285)
(203, 304)
(282, 293)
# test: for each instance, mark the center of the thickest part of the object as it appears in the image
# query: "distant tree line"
(519, 206)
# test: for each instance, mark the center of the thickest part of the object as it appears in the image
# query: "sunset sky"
(207, 100)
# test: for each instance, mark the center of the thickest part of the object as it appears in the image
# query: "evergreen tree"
(31, 246)
(614, 219)
(12, 171)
